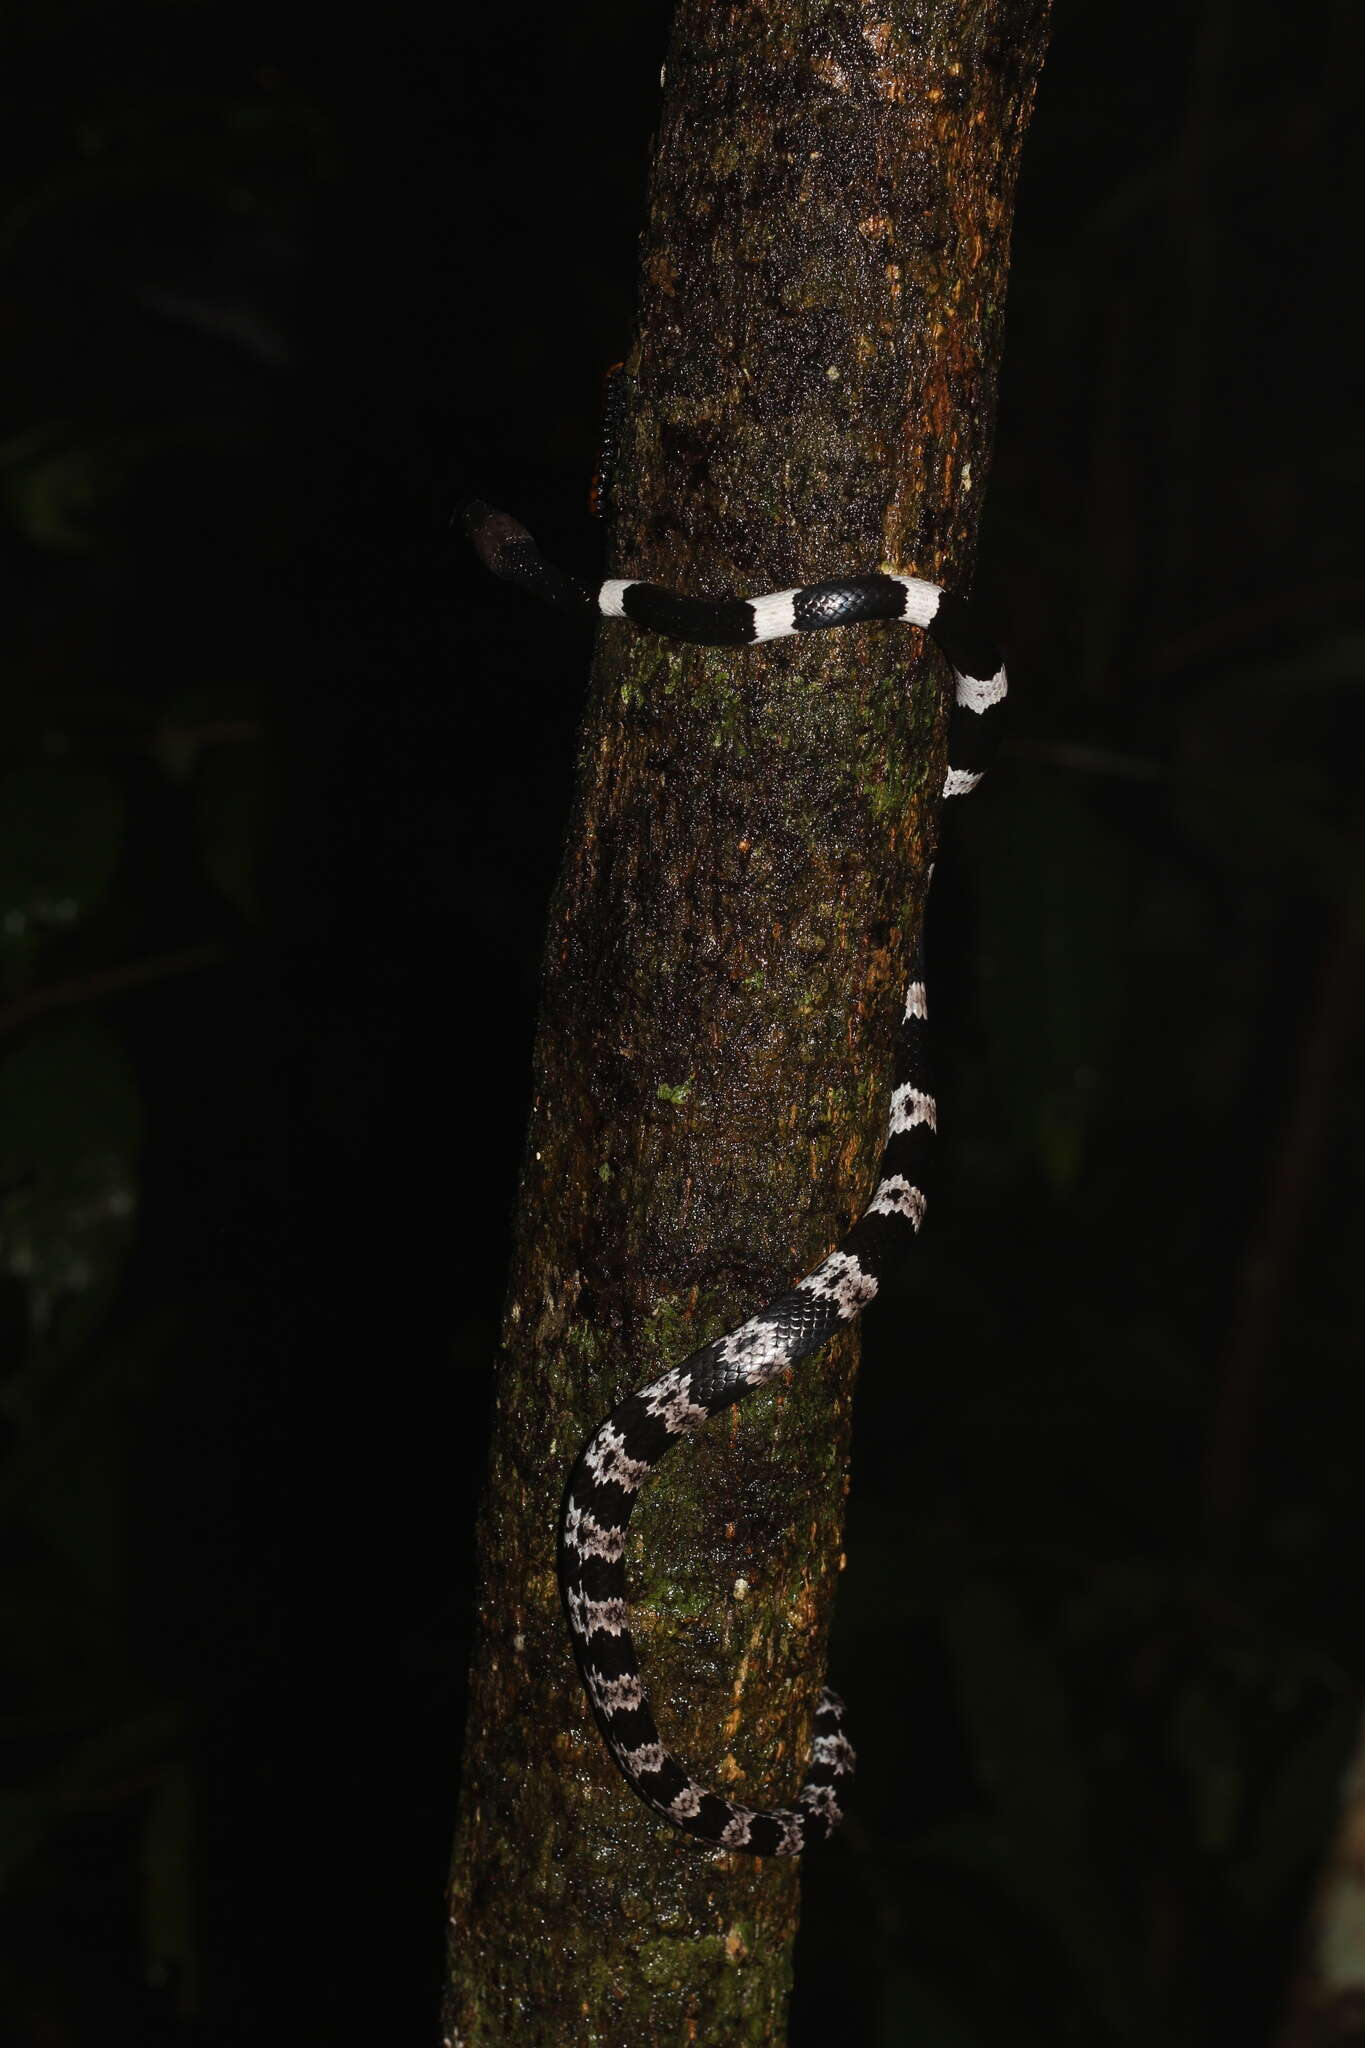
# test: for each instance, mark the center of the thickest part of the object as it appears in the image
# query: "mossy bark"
(811, 393)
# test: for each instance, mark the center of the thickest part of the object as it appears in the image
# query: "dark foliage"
(282, 786)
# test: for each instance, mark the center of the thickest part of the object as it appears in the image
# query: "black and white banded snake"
(626, 1448)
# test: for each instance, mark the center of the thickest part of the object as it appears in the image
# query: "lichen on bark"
(811, 393)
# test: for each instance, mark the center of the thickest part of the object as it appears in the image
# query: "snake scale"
(626, 1448)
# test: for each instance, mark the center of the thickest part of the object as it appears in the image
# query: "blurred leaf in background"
(155, 240)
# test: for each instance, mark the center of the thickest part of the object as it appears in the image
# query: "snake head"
(500, 542)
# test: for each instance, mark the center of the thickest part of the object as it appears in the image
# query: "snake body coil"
(626, 1448)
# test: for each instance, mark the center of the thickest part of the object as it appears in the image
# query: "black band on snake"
(630, 1443)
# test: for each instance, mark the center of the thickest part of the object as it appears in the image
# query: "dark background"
(284, 778)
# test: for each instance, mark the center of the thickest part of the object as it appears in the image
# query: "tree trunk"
(811, 393)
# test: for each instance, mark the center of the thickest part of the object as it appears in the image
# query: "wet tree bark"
(811, 392)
